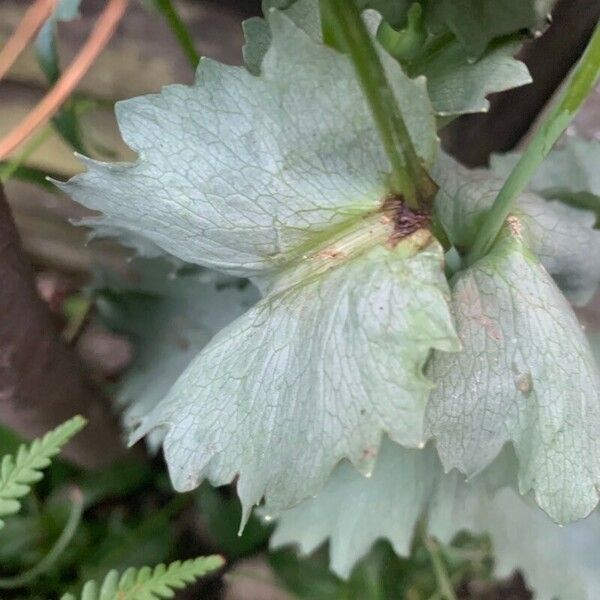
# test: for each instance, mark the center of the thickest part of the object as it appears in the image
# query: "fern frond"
(18, 472)
(147, 583)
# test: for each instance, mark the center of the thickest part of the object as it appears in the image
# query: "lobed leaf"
(563, 237)
(170, 316)
(526, 375)
(352, 512)
(242, 173)
(282, 178)
(477, 22)
(315, 372)
(147, 583)
(19, 472)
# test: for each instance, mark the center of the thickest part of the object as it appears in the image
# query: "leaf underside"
(353, 511)
(527, 375)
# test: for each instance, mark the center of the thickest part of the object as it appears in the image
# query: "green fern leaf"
(147, 583)
(18, 472)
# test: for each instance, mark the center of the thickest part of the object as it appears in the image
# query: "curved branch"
(41, 382)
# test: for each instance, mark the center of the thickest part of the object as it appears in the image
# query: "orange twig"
(49, 105)
(27, 28)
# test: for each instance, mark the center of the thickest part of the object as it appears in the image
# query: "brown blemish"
(406, 220)
(524, 384)
(331, 253)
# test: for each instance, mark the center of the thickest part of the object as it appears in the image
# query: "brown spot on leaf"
(406, 220)
(524, 384)
(331, 253)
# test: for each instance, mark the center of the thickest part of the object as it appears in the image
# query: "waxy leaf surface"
(281, 177)
(169, 317)
(316, 372)
(525, 375)
(352, 512)
(240, 173)
(563, 237)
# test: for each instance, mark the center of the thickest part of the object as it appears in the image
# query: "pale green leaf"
(559, 563)
(169, 317)
(477, 22)
(526, 375)
(458, 85)
(239, 172)
(258, 39)
(570, 173)
(352, 512)
(563, 237)
(45, 43)
(314, 373)
(282, 177)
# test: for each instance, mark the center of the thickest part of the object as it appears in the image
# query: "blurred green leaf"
(223, 515)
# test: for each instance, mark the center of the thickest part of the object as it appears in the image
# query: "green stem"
(55, 552)
(179, 30)
(446, 590)
(11, 166)
(343, 25)
(579, 86)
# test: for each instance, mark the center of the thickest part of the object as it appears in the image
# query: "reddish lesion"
(405, 219)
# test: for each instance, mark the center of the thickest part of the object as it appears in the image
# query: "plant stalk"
(581, 83)
(57, 549)
(179, 30)
(344, 28)
(445, 586)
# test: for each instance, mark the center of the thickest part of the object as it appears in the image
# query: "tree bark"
(472, 138)
(41, 381)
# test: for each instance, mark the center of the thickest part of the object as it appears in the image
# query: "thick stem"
(579, 86)
(179, 30)
(343, 25)
(41, 382)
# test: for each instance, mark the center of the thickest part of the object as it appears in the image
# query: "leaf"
(526, 375)
(352, 512)
(477, 22)
(282, 178)
(315, 372)
(66, 119)
(559, 563)
(18, 472)
(563, 237)
(569, 173)
(458, 85)
(258, 39)
(45, 43)
(149, 584)
(243, 173)
(169, 318)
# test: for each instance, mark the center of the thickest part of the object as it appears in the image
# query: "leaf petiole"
(579, 86)
(344, 28)
(179, 30)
